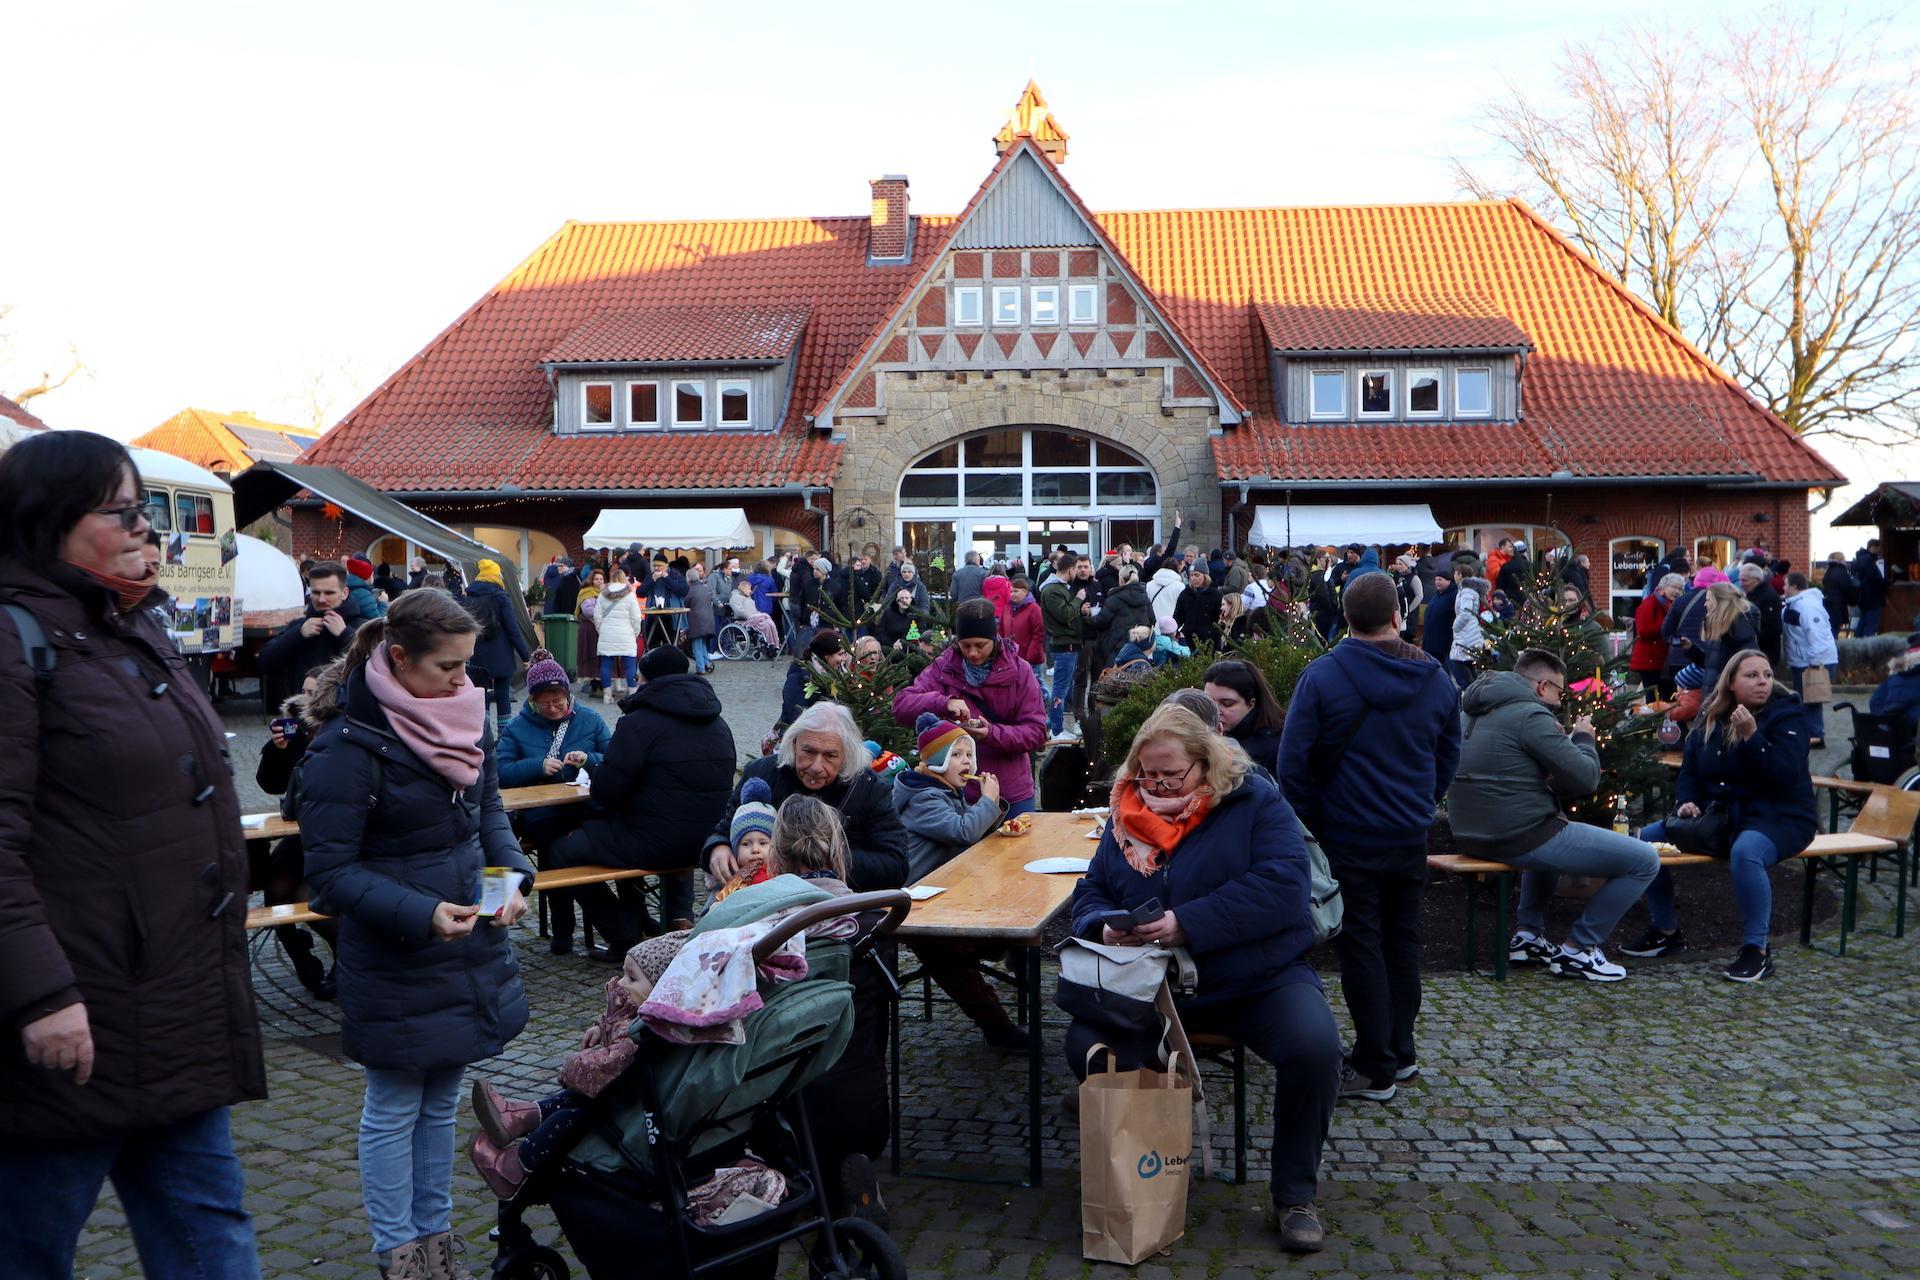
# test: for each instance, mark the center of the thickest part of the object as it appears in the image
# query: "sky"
(270, 207)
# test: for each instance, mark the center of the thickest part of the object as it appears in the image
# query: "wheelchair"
(740, 642)
(1882, 749)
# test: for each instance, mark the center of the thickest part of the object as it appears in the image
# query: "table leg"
(1030, 968)
(1504, 925)
(1847, 903)
(1906, 854)
(1806, 904)
(1473, 898)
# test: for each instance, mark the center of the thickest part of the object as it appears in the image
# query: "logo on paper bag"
(1150, 1164)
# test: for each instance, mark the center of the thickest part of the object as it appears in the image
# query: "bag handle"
(1172, 1076)
(1111, 1060)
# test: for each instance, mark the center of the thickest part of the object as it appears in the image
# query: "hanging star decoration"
(330, 511)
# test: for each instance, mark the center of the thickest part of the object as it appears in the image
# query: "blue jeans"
(406, 1153)
(179, 1185)
(1870, 621)
(1747, 862)
(1017, 807)
(1816, 711)
(1629, 866)
(627, 665)
(1064, 661)
(699, 653)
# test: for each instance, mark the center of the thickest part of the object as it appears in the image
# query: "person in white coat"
(1468, 638)
(1163, 590)
(1806, 642)
(618, 618)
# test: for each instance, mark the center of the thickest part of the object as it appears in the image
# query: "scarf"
(129, 593)
(1149, 828)
(444, 732)
(976, 675)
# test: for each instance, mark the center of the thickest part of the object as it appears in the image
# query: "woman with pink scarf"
(399, 809)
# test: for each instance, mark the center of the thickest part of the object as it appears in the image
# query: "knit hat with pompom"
(937, 737)
(546, 673)
(755, 812)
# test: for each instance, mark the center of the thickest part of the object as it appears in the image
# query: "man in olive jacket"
(1518, 770)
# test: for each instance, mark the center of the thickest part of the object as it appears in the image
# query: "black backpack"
(40, 655)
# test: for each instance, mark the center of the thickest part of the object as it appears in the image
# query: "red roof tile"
(14, 413)
(664, 335)
(1435, 322)
(212, 440)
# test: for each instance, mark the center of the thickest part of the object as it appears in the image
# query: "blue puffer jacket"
(1764, 780)
(1238, 884)
(527, 741)
(382, 863)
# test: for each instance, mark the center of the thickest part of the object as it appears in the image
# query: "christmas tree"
(1599, 685)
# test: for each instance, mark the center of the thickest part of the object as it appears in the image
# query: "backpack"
(40, 655)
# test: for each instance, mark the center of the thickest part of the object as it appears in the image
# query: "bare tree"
(49, 380)
(1760, 188)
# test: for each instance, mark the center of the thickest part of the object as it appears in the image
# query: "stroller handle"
(894, 902)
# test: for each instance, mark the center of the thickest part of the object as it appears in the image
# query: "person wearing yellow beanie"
(502, 645)
(489, 571)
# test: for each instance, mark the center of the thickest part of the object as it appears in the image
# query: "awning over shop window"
(617, 528)
(1322, 526)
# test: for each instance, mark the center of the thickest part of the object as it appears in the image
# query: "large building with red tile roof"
(1029, 372)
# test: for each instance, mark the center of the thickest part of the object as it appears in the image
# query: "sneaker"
(862, 1188)
(1062, 738)
(1571, 962)
(1406, 1072)
(1354, 1085)
(1529, 948)
(1753, 964)
(1655, 943)
(1300, 1228)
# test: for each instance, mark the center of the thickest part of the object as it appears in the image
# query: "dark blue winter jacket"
(527, 741)
(1764, 781)
(1238, 884)
(381, 857)
(501, 648)
(1398, 760)
(1898, 695)
(1436, 637)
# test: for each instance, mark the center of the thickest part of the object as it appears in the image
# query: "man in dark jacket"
(1368, 750)
(1197, 611)
(321, 634)
(1870, 576)
(662, 785)
(565, 596)
(1841, 592)
(1518, 771)
(1516, 574)
(823, 755)
(502, 646)
(1757, 582)
(966, 581)
(1065, 607)
(867, 582)
(1436, 633)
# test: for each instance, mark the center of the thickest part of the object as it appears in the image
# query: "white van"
(192, 510)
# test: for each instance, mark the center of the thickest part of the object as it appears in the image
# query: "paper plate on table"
(1059, 866)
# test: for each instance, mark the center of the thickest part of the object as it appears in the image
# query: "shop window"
(1716, 549)
(1629, 561)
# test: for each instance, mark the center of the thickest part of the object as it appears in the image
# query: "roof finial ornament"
(1031, 116)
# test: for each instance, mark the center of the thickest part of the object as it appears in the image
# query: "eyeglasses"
(129, 516)
(1560, 689)
(1164, 782)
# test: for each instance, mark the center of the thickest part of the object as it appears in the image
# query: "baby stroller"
(739, 641)
(682, 1111)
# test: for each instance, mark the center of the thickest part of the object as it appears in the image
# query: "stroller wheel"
(867, 1252)
(535, 1263)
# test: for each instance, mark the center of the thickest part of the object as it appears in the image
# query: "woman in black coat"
(1250, 714)
(1123, 609)
(399, 809)
(1748, 755)
(500, 647)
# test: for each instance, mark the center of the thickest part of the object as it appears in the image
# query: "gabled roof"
(1362, 323)
(18, 416)
(227, 442)
(684, 334)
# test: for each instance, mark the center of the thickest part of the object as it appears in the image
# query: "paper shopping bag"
(1136, 1150)
(1816, 686)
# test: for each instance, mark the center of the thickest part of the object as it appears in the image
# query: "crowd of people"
(125, 969)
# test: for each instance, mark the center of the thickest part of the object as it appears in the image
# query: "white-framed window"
(1423, 393)
(1630, 560)
(643, 404)
(966, 305)
(1083, 304)
(1376, 393)
(1473, 393)
(596, 405)
(689, 404)
(1046, 304)
(736, 402)
(1329, 393)
(1006, 306)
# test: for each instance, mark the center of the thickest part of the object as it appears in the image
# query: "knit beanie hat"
(546, 673)
(937, 737)
(1691, 676)
(488, 571)
(1167, 626)
(360, 567)
(976, 626)
(755, 812)
(664, 661)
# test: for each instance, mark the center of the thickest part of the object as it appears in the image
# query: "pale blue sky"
(214, 201)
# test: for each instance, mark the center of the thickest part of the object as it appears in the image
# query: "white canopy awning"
(617, 528)
(1384, 524)
(266, 579)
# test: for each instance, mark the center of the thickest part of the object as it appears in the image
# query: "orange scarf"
(1147, 839)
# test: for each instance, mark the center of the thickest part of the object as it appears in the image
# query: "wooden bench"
(562, 878)
(1852, 845)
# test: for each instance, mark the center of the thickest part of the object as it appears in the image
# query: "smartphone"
(1124, 921)
(285, 726)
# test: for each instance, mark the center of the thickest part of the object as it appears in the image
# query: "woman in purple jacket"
(986, 689)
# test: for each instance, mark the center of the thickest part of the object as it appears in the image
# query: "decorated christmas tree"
(1599, 685)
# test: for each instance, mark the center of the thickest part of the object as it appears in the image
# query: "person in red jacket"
(1649, 660)
(1024, 626)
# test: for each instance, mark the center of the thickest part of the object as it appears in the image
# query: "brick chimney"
(888, 238)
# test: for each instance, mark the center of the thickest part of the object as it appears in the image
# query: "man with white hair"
(1758, 584)
(823, 754)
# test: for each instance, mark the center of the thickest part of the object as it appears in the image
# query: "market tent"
(1384, 524)
(617, 528)
(266, 580)
(268, 486)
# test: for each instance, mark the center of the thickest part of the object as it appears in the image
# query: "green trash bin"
(562, 631)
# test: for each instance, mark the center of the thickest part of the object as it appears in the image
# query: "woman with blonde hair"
(1201, 853)
(1746, 756)
(1729, 628)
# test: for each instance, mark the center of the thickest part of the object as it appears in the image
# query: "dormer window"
(596, 404)
(1376, 393)
(736, 397)
(643, 404)
(1473, 392)
(1423, 393)
(1329, 393)
(689, 404)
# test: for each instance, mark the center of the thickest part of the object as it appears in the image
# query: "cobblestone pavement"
(1672, 1125)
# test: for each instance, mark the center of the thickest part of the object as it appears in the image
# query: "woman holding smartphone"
(399, 808)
